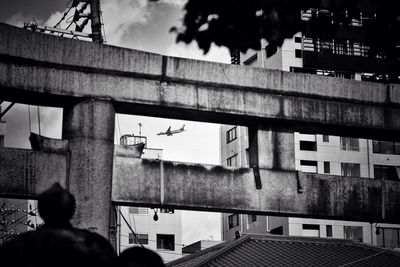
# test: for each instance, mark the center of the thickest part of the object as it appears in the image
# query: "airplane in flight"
(170, 132)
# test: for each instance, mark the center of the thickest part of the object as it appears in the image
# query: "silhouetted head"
(56, 206)
(139, 257)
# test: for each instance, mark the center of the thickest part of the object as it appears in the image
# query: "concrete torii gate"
(92, 81)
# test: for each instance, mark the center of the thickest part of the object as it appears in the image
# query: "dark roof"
(269, 250)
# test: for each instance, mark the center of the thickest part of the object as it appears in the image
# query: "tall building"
(346, 56)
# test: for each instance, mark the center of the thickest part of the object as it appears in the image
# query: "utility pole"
(96, 22)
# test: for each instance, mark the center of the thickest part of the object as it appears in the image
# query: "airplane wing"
(168, 132)
(178, 130)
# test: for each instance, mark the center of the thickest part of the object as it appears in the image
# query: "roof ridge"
(224, 250)
(329, 240)
(198, 253)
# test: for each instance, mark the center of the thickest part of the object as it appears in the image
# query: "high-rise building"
(346, 56)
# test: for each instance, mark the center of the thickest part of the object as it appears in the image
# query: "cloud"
(19, 19)
(215, 54)
(199, 225)
(120, 15)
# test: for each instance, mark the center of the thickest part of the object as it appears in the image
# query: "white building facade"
(315, 153)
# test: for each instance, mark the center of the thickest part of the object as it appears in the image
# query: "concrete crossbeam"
(26, 173)
(284, 193)
(57, 70)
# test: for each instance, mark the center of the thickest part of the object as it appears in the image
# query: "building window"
(297, 53)
(325, 138)
(233, 220)
(311, 230)
(141, 239)
(386, 172)
(388, 237)
(327, 167)
(170, 211)
(309, 166)
(351, 144)
(166, 242)
(353, 232)
(232, 161)
(251, 218)
(308, 145)
(350, 169)
(329, 231)
(297, 39)
(386, 147)
(138, 210)
(231, 135)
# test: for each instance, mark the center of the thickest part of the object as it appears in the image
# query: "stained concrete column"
(89, 128)
(271, 148)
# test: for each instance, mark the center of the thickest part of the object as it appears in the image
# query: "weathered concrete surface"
(150, 84)
(271, 148)
(89, 128)
(26, 173)
(213, 188)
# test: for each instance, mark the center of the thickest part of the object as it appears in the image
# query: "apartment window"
(386, 172)
(340, 47)
(350, 169)
(297, 53)
(311, 230)
(170, 211)
(233, 220)
(232, 161)
(329, 231)
(143, 239)
(351, 144)
(138, 210)
(309, 166)
(325, 138)
(308, 145)
(231, 135)
(327, 167)
(386, 147)
(388, 237)
(297, 39)
(353, 233)
(251, 218)
(166, 242)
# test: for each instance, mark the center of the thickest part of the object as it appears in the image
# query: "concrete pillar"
(89, 128)
(271, 148)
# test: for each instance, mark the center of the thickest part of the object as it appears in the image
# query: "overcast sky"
(141, 25)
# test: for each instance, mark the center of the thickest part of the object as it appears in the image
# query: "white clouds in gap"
(215, 54)
(19, 19)
(120, 15)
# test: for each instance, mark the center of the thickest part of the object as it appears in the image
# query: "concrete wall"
(152, 84)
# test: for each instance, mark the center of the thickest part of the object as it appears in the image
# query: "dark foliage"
(241, 24)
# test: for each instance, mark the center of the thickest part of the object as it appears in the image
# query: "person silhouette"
(58, 243)
(139, 257)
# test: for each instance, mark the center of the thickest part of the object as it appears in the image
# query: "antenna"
(80, 6)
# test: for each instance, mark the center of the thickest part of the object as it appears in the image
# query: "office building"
(345, 56)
